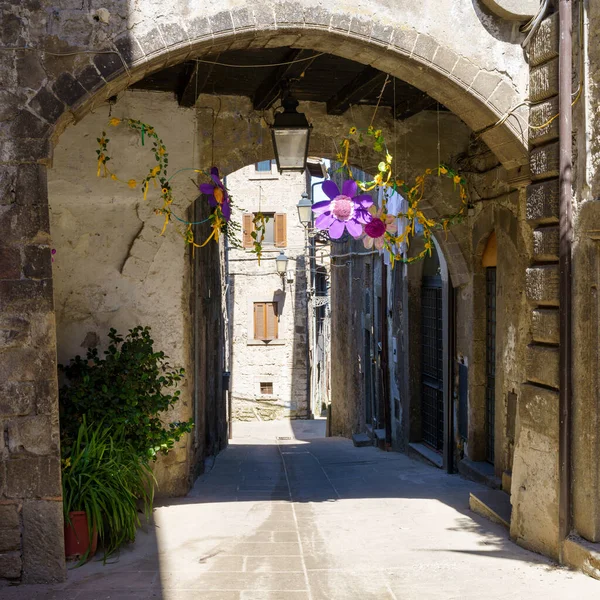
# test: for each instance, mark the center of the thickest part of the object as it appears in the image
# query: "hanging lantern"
(290, 132)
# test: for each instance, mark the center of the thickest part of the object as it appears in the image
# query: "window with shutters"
(275, 230)
(265, 321)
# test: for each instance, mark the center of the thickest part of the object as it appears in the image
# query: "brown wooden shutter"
(247, 229)
(271, 320)
(281, 230)
(259, 321)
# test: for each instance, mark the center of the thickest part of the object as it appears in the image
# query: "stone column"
(535, 478)
(31, 518)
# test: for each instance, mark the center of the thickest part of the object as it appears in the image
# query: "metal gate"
(432, 385)
(490, 361)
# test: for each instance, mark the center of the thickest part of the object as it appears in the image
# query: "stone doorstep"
(506, 481)
(582, 555)
(361, 439)
(479, 471)
(418, 450)
(493, 505)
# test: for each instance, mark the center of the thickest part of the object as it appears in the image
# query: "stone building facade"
(267, 311)
(61, 61)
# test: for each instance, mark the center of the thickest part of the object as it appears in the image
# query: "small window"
(269, 239)
(264, 166)
(265, 321)
(266, 388)
(275, 230)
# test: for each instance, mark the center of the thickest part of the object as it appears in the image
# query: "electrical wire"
(281, 64)
(50, 53)
(533, 24)
(532, 27)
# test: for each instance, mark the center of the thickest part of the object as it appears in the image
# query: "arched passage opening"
(475, 93)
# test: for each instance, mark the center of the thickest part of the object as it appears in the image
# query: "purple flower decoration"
(217, 194)
(343, 211)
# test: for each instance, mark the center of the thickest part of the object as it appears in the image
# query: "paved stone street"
(286, 514)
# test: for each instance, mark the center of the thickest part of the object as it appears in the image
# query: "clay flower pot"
(77, 539)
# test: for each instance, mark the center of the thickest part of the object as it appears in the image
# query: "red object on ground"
(77, 539)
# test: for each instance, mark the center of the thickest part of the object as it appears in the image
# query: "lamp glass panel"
(291, 147)
(305, 213)
(281, 263)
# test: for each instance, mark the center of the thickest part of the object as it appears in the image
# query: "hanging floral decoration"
(355, 212)
(219, 197)
(259, 223)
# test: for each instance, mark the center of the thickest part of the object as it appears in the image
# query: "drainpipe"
(565, 244)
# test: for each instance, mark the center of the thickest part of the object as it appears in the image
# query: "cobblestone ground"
(286, 514)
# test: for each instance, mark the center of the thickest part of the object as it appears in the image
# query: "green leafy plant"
(128, 389)
(106, 478)
(259, 221)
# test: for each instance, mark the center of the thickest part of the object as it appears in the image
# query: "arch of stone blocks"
(440, 66)
(428, 44)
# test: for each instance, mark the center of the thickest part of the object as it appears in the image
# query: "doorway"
(432, 363)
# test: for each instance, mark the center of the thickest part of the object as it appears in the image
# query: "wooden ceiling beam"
(270, 89)
(414, 104)
(355, 91)
(192, 83)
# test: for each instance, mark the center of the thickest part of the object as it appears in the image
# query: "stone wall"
(112, 268)
(100, 53)
(281, 362)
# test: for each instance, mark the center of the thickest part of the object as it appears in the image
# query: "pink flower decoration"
(343, 211)
(375, 230)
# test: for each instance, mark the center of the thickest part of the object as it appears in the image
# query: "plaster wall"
(112, 267)
(282, 362)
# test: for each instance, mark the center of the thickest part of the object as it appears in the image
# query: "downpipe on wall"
(565, 262)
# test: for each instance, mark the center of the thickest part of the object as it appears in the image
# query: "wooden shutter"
(281, 230)
(259, 320)
(271, 320)
(247, 229)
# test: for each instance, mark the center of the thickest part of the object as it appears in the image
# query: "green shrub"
(127, 390)
(104, 477)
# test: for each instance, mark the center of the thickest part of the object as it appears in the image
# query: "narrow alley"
(287, 514)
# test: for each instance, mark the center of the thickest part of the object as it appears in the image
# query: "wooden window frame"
(279, 230)
(264, 335)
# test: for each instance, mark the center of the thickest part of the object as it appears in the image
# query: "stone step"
(479, 471)
(493, 505)
(423, 452)
(542, 202)
(545, 244)
(582, 555)
(361, 439)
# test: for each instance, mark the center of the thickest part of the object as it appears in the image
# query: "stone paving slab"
(314, 518)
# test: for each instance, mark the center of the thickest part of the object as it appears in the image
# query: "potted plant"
(103, 480)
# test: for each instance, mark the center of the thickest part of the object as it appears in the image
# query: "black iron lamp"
(290, 132)
(305, 210)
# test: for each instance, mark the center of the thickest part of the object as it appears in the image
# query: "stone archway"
(44, 93)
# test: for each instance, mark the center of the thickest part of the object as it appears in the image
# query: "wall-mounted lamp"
(305, 210)
(281, 262)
